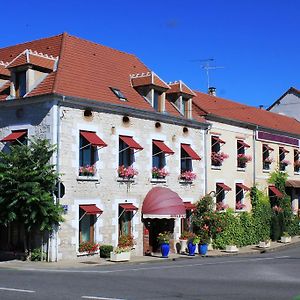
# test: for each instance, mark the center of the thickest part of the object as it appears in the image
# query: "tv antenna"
(206, 65)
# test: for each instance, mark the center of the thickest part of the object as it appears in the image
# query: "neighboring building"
(288, 104)
(245, 144)
(105, 111)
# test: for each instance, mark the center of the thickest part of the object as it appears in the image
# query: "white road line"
(100, 298)
(16, 290)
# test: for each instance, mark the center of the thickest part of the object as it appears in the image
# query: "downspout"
(254, 155)
(205, 159)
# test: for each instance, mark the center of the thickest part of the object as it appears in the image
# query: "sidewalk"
(88, 261)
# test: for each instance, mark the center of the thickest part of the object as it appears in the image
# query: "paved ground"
(271, 275)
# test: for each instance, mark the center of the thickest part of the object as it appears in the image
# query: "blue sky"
(257, 42)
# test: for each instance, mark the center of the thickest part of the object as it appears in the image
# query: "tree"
(27, 182)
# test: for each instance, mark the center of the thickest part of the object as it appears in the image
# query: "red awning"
(14, 136)
(224, 186)
(193, 155)
(243, 144)
(163, 203)
(91, 209)
(244, 187)
(275, 191)
(132, 144)
(128, 206)
(189, 206)
(284, 150)
(93, 138)
(267, 147)
(163, 147)
(218, 140)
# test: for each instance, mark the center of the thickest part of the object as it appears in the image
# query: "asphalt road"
(265, 276)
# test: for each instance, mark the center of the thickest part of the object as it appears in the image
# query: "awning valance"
(15, 135)
(128, 207)
(224, 186)
(163, 147)
(91, 209)
(242, 186)
(192, 154)
(189, 206)
(131, 143)
(275, 191)
(163, 203)
(93, 138)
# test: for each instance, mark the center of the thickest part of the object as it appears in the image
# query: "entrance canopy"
(163, 203)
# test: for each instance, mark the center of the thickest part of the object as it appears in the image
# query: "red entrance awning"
(216, 139)
(163, 203)
(193, 155)
(275, 191)
(244, 187)
(93, 138)
(224, 186)
(131, 143)
(163, 147)
(189, 206)
(91, 209)
(243, 144)
(128, 207)
(14, 136)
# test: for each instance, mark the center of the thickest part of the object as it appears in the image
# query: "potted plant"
(159, 173)
(231, 247)
(183, 239)
(123, 251)
(192, 244)
(163, 239)
(188, 176)
(204, 240)
(266, 243)
(285, 238)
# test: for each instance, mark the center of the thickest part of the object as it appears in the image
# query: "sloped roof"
(291, 90)
(206, 105)
(149, 78)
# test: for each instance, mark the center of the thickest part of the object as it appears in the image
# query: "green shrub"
(36, 255)
(105, 251)
(294, 226)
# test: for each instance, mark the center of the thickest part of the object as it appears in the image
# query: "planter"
(231, 249)
(183, 246)
(265, 244)
(123, 256)
(285, 239)
(203, 249)
(164, 248)
(192, 249)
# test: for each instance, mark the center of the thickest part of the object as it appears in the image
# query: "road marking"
(100, 298)
(16, 290)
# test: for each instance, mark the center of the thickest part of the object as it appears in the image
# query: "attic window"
(119, 94)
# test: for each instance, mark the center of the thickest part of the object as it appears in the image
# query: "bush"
(105, 251)
(37, 254)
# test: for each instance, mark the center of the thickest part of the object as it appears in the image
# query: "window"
(126, 154)
(187, 155)
(217, 157)
(126, 213)
(156, 101)
(87, 157)
(86, 226)
(159, 152)
(239, 197)
(242, 158)
(282, 161)
(20, 83)
(296, 161)
(180, 104)
(119, 94)
(221, 191)
(266, 159)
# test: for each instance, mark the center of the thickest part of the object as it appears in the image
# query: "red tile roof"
(3, 70)
(205, 104)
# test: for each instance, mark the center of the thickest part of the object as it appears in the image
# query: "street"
(274, 275)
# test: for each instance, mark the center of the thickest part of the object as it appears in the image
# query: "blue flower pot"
(203, 249)
(191, 248)
(164, 248)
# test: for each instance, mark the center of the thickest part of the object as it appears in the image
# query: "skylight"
(119, 94)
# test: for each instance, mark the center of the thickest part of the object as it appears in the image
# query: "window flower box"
(88, 248)
(187, 176)
(159, 173)
(127, 172)
(243, 159)
(217, 158)
(88, 171)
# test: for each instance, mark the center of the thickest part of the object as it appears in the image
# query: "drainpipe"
(205, 159)
(254, 155)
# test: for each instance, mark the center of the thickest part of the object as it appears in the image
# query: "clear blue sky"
(257, 42)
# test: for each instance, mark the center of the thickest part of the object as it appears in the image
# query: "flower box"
(285, 239)
(122, 256)
(264, 244)
(217, 158)
(231, 249)
(187, 176)
(159, 173)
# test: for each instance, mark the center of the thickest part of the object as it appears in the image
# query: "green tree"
(27, 182)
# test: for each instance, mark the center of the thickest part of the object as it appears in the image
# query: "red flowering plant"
(239, 205)
(159, 173)
(188, 176)
(242, 159)
(89, 247)
(87, 170)
(268, 160)
(217, 158)
(220, 206)
(127, 172)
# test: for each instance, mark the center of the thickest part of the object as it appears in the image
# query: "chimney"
(212, 91)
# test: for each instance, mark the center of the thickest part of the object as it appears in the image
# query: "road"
(265, 276)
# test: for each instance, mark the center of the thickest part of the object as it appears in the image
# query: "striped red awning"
(93, 138)
(15, 135)
(91, 209)
(128, 207)
(163, 147)
(131, 143)
(192, 154)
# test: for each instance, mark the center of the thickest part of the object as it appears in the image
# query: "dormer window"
(20, 84)
(119, 94)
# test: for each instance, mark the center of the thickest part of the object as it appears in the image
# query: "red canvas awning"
(224, 186)
(216, 139)
(14, 136)
(93, 138)
(275, 191)
(163, 147)
(267, 147)
(131, 143)
(192, 154)
(91, 209)
(189, 206)
(243, 144)
(284, 150)
(242, 186)
(163, 203)
(128, 207)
